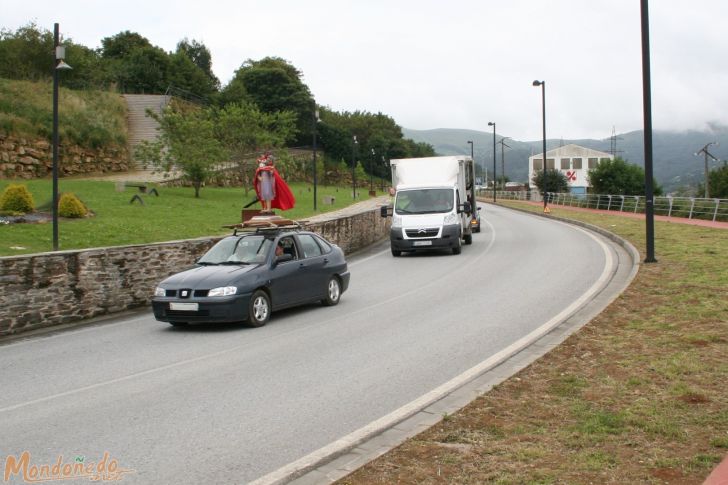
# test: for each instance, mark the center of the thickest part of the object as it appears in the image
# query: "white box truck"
(434, 204)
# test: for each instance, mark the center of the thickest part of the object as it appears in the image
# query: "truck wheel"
(396, 252)
(468, 239)
(457, 248)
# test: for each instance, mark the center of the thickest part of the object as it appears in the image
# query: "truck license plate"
(184, 307)
(423, 243)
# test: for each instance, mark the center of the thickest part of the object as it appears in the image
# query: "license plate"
(423, 243)
(184, 307)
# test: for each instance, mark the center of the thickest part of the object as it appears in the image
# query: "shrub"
(70, 206)
(16, 198)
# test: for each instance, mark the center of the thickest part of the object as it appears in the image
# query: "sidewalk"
(677, 220)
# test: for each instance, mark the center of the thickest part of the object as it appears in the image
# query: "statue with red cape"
(271, 189)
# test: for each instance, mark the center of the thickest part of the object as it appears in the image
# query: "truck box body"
(430, 209)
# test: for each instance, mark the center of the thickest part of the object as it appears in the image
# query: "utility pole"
(707, 154)
(503, 159)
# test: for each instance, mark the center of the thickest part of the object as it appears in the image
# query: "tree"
(551, 180)
(243, 130)
(619, 177)
(186, 75)
(718, 182)
(187, 141)
(123, 44)
(200, 55)
(273, 85)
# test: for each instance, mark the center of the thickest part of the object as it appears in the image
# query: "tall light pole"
(503, 144)
(59, 52)
(353, 168)
(315, 181)
(371, 173)
(543, 111)
(492, 123)
(647, 116)
(707, 154)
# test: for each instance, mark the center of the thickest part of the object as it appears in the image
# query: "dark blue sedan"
(248, 275)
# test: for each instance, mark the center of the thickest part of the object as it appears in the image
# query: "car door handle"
(301, 266)
(326, 260)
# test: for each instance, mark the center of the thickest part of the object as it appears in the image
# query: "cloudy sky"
(448, 63)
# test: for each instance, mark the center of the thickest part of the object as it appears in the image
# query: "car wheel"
(396, 252)
(259, 309)
(178, 324)
(468, 239)
(333, 292)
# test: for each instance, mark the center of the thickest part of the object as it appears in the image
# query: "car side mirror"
(385, 211)
(465, 207)
(479, 208)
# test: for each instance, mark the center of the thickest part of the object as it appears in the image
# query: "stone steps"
(142, 127)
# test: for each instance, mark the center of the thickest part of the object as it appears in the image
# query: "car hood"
(208, 276)
(416, 221)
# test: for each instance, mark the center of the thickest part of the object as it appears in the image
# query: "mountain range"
(675, 165)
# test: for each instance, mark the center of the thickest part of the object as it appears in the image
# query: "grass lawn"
(175, 214)
(639, 395)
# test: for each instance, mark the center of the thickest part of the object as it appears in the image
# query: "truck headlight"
(159, 291)
(396, 221)
(223, 291)
(451, 219)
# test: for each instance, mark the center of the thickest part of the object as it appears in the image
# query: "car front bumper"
(209, 310)
(449, 238)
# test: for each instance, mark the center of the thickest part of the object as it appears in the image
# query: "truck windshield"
(424, 201)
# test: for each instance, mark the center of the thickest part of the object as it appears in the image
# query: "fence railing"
(686, 207)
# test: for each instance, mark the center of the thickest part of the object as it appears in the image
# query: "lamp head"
(490, 123)
(538, 83)
(62, 65)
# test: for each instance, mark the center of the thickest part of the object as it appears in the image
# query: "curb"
(344, 456)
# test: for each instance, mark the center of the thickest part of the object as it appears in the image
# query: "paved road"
(224, 404)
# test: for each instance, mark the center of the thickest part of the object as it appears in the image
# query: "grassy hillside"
(87, 118)
(674, 162)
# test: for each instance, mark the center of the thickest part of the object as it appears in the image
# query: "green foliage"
(551, 180)
(718, 182)
(619, 177)
(188, 142)
(87, 118)
(70, 206)
(175, 214)
(16, 198)
(122, 44)
(379, 139)
(274, 85)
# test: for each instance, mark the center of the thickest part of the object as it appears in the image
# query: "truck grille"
(428, 232)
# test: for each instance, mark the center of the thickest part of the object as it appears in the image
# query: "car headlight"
(223, 291)
(396, 221)
(450, 219)
(159, 291)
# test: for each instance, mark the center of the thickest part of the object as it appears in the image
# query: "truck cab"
(434, 211)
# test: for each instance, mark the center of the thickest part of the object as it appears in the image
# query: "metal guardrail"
(685, 207)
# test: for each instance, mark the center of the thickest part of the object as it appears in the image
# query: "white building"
(573, 161)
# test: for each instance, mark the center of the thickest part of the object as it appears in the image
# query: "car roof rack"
(259, 224)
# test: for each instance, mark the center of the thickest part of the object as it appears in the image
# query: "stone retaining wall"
(30, 159)
(46, 289)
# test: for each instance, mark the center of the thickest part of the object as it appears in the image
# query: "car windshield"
(424, 201)
(247, 249)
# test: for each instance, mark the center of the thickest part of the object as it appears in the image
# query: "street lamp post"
(371, 173)
(353, 168)
(543, 113)
(59, 54)
(472, 157)
(492, 123)
(315, 181)
(707, 154)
